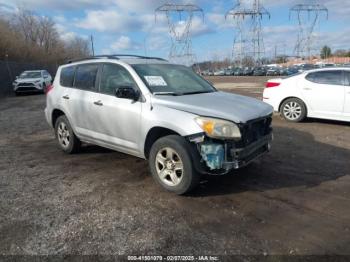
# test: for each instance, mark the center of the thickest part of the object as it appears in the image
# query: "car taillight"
(48, 89)
(272, 84)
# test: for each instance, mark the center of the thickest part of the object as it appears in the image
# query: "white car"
(32, 81)
(321, 93)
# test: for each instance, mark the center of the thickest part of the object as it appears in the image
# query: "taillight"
(48, 89)
(272, 84)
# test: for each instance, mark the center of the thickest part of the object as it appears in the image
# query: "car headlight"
(218, 128)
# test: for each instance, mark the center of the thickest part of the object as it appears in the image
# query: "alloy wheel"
(63, 135)
(292, 110)
(169, 166)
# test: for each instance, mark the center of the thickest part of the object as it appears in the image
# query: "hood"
(236, 108)
(27, 80)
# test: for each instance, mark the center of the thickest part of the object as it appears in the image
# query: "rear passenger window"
(85, 76)
(67, 76)
(326, 77)
(114, 76)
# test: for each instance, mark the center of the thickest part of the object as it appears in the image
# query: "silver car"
(162, 112)
(32, 81)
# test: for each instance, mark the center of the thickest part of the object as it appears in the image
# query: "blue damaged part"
(213, 155)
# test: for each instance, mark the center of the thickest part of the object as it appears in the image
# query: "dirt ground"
(295, 200)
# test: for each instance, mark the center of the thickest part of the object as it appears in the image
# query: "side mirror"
(127, 92)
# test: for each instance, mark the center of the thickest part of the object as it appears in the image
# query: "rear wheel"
(171, 165)
(293, 110)
(65, 136)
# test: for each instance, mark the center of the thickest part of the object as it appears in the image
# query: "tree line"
(30, 38)
(326, 52)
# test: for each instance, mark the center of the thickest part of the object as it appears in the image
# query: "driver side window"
(114, 76)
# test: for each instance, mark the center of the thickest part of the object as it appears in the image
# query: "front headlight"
(217, 128)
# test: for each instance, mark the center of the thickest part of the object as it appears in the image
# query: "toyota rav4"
(32, 81)
(162, 112)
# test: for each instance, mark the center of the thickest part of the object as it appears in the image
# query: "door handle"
(307, 88)
(65, 97)
(98, 103)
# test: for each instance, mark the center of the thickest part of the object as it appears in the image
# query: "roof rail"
(116, 56)
(137, 56)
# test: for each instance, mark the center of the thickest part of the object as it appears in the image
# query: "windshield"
(30, 75)
(172, 79)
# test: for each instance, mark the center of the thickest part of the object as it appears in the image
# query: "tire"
(293, 110)
(65, 136)
(168, 154)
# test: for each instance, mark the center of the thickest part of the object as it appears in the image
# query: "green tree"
(326, 52)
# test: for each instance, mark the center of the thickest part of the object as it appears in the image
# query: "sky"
(129, 26)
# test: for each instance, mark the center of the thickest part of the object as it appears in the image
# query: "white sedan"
(321, 93)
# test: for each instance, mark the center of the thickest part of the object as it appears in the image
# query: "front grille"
(26, 88)
(26, 85)
(253, 130)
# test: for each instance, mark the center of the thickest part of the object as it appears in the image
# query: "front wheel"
(293, 110)
(171, 165)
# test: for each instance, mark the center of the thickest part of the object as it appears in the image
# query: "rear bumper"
(48, 117)
(270, 98)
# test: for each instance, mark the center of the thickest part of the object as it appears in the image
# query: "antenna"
(308, 16)
(179, 18)
(248, 42)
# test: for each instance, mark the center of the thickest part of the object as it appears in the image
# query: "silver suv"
(149, 108)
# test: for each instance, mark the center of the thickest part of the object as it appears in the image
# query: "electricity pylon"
(248, 42)
(179, 18)
(308, 15)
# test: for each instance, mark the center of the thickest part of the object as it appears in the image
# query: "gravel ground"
(294, 200)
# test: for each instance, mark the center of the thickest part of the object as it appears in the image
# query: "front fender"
(178, 121)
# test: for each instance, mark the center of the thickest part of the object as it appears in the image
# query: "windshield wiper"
(197, 92)
(167, 94)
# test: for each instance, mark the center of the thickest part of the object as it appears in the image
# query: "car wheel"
(171, 165)
(65, 136)
(293, 110)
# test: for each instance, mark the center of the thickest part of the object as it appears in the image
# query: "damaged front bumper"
(241, 157)
(220, 156)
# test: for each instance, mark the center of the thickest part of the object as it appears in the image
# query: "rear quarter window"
(333, 77)
(67, 76)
